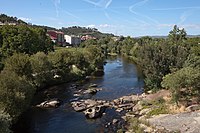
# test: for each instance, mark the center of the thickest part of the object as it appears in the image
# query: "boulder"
(79, 106)
(94, 112)
(114, 121)
(92, 90)
(137, 107)
(145, 111)
(86, 104)
(93, 85)
(53, 103)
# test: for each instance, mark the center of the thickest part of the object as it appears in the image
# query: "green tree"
(177, 35)
(23, 39)
(20, 64)
(15, 93)
(184, 83)
(5, 122)
(41, 69)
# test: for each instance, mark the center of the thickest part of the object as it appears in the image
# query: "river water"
(121, 78)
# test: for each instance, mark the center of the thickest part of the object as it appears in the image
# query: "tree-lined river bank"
(121, 78)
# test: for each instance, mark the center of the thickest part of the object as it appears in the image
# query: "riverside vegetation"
(28, 62)
(172, 63)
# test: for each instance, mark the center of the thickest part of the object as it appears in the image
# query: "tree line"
(172, 63)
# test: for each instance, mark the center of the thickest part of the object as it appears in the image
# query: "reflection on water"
(121, 78)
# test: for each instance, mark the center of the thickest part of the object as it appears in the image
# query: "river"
(121, 78)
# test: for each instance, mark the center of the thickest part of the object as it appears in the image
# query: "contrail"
(108, 3)
(177, 8)
(102, 3)
(139, 4)
(139, 14)
(56, 4)
(136, 19)
(185, 15)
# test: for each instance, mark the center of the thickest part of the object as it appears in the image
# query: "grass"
(134, 125)
(158, 107)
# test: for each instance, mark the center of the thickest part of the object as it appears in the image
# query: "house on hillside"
(72, 40)
(56, 36)
(87, 37)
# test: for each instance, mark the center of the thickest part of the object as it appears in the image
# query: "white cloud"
(91, 26)
(101, 26)
(190, 26)
(105, 25)
(25, 19)
(185, 26)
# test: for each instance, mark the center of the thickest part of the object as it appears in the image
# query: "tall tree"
(177, 35)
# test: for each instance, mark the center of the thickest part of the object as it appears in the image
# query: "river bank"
(118, 94)
(121, 78)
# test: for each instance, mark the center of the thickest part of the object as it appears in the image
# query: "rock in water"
(53, 103)
(94, 112)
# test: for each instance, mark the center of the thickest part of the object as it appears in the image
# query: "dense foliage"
(7, 19)
(28, 63)
(174, 61)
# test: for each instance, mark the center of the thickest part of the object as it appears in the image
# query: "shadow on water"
(121, 78)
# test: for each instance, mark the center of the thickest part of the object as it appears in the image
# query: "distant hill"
(164, 37)
(80, 31)
(74, 30)
(7, 19)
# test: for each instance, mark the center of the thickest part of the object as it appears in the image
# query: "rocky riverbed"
(132, 106)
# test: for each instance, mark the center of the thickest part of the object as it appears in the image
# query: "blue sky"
(120, 17)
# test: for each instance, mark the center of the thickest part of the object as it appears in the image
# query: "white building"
(72, 40)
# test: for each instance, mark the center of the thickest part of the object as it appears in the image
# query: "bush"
(42, 69)
(185, 80)
(19, 64)
(5, 122)
(15, 93)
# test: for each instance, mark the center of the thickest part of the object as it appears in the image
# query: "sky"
(120, 17)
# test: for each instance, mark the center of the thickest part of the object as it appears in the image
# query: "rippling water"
(121, 78)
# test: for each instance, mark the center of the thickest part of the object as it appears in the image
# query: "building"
(72, 40)
(56, 36)
(87, 37)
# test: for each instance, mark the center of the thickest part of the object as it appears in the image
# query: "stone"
(94, 112)
(145, 111)
(77, 95)
(142, 118)
(119, 109)
(92, 90)
(130, 115)
(124, 118)
(114, 121)
(53, 103)
(145, 128)
(93, 85)
(79, 106)
(137, 107)
(86, 104)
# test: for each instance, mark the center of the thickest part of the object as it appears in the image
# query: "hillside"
(7, 19)
(74, 30)
(80, 31)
